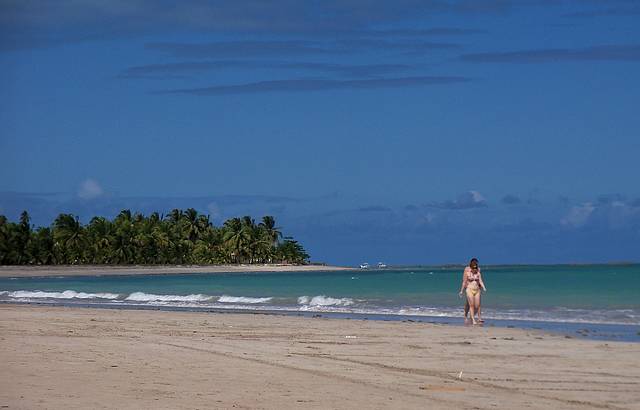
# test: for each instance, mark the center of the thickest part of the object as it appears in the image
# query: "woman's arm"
(480, 280)
(464, 280)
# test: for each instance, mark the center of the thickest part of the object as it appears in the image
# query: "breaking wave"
(242, 299)
(322, 300)
(67, 294)
(150, 297)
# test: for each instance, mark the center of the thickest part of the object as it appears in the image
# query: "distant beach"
(104, 270)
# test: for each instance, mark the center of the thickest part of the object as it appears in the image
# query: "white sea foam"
(150, 297)
(322, 300)
(67, 294)
(242, 299)
(323, 303)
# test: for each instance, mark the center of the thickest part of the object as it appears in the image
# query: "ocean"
(595, 301)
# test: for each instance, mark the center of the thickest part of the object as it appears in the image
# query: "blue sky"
(407, 131)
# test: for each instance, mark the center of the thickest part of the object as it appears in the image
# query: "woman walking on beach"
(472, 283)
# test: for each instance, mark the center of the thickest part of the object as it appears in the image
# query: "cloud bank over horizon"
(548, 231)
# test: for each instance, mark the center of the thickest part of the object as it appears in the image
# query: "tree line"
(181, 237)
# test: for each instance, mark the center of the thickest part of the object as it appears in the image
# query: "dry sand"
(80, 358)
(103, 270)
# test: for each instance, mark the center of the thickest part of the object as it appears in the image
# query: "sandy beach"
(61, 358)
(104, 270)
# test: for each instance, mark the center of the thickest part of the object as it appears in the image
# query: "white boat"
(364, 265)
(382, 265)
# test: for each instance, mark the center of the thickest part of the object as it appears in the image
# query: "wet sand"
(103, 270)
(61, 358)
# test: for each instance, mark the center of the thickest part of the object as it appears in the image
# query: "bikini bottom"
(471, 292)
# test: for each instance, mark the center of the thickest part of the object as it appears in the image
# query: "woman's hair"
(472, 262)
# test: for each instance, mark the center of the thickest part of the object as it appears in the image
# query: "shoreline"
(22, 271)
(609, 332)
(56, 357)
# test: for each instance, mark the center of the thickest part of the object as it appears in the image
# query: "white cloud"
(90, 189)
(476, 197)
(578, 215)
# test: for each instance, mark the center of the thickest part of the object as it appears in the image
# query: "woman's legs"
(471, 302)
(476, 305)
(466, 310)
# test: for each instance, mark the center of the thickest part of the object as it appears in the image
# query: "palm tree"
(204, 223)
(192, 226)
(162, 240)
(14, 239)
(144, 250)
(236, 237)
(123, 217)
(290, 251)
(68, 236)
(175, 216)
(122, 248)
(41, 247)
(209, 248)
(155, 218)
(270, 237)
(100, 236)
(5, 242)
(253, 243)
(24, 233)
(271, 230)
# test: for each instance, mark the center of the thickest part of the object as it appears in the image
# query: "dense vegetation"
(182, 237)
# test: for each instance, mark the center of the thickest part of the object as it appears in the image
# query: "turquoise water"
(571, 294)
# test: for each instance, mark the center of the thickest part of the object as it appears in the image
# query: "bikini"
(475, 277)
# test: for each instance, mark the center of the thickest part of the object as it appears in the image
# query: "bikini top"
(473, 277)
